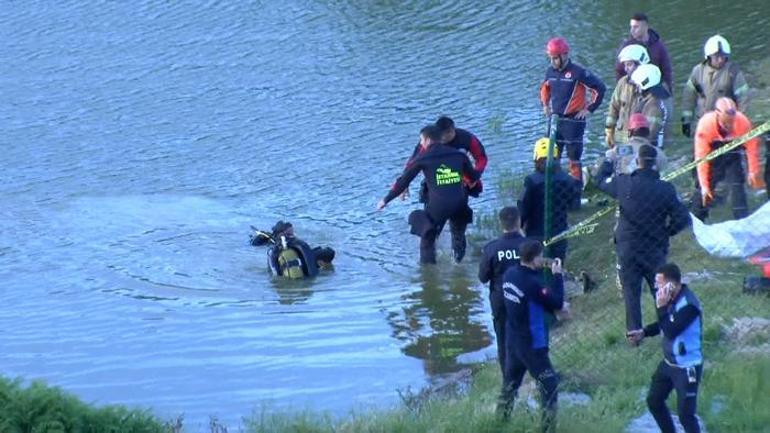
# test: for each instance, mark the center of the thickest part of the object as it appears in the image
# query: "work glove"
(609, 137)
(686, 131)
(707, 196)
(756, 181)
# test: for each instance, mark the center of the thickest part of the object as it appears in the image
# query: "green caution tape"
(588, 225)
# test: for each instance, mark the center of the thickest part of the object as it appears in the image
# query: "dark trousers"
(569, 133)
(685, 381)
(458, 216)
(634, 267)
(498, 322)
(519, 360)
(728, 168)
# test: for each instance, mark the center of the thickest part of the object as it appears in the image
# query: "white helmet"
(716, 44)
(646, 76)
(634, 53)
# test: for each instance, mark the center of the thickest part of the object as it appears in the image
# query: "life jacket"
(292, 258)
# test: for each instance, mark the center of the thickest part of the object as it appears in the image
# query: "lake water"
(140, 140)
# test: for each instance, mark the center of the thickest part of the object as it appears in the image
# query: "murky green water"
(140, 141)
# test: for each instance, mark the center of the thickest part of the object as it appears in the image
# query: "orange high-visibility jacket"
(708, 134)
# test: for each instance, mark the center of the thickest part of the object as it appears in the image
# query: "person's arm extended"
(402, 182)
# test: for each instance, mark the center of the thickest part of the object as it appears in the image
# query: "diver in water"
(289, 256)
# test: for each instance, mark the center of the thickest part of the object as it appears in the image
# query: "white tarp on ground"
(738, 238)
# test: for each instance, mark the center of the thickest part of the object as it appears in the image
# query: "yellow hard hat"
(541, 149)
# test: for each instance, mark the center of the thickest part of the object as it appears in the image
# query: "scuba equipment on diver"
(289, 262)
(288, 256)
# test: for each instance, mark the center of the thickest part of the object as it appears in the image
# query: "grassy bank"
(37, 408)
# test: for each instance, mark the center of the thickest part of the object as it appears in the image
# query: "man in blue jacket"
(681, 322)
(650, 212)
(528, 299)
(496, 258)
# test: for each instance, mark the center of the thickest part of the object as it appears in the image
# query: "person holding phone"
(527, 300)
(680, 321)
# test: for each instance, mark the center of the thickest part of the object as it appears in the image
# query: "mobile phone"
(668, 288)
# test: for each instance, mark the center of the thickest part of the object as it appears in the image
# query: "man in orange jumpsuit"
(715, 129)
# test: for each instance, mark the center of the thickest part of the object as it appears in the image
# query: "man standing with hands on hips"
(681, 322)
(572, 92)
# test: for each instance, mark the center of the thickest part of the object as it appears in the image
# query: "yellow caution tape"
(588, 225)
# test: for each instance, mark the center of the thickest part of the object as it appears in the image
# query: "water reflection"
(292, 291)
(441, 320)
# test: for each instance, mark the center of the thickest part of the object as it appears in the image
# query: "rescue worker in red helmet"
(715, 129)
(624, 156)
(572, 92)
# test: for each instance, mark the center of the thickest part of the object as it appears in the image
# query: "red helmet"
(557, 46)
(638, 120)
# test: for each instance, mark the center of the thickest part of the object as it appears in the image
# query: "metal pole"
(554, 121)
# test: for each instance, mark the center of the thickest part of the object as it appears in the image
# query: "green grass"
(38, 408)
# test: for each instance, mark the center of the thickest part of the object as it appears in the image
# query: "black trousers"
(728, 168)
(636, 266)
(685, 381)
(459, 216)
(569, 133)
(519, 360)
(498, 322)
